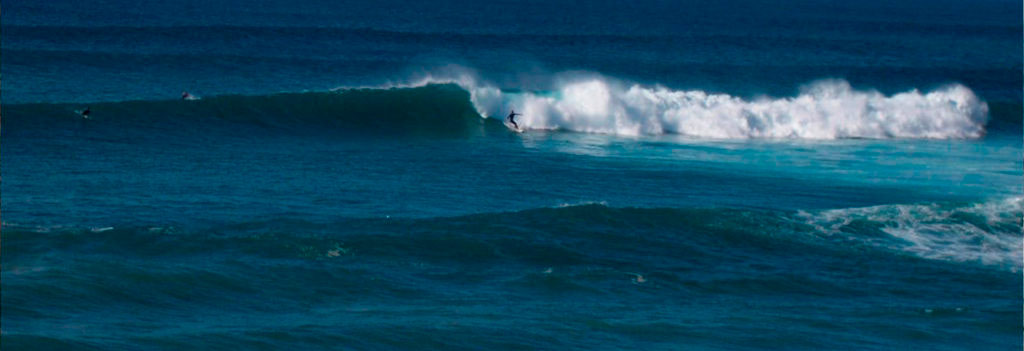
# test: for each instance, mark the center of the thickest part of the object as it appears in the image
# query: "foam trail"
(829, 109)
(988, 233)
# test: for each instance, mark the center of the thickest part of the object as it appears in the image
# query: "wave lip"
(829, 109)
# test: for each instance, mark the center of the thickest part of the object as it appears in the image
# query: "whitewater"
(824, 109)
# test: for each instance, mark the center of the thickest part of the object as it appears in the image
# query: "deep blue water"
(690, 175)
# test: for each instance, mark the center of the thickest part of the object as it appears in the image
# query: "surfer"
(85, 113)
(512, 118)
(185, 95)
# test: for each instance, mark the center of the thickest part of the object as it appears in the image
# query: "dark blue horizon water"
(70, 51)
(725, 175)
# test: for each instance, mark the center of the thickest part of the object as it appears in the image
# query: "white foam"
(988, 233)
(828, 109)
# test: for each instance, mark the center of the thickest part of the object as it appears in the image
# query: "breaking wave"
(828, 109)
(455, 104)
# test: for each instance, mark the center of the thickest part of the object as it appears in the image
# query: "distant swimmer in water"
(186, 96)
(637, 278)
(85, 113)
(512, 118)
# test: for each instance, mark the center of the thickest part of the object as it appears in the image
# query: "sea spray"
(828, 109)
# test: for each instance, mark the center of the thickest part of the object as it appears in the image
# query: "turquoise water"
(742, 175)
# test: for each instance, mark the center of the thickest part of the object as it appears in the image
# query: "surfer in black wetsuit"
(512, 118)
(185, 95)
(85, 113)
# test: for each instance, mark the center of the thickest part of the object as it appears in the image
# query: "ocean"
(696, 175)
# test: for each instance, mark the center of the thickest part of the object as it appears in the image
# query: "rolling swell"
(435, 109)
(546, 236)
(359, 276)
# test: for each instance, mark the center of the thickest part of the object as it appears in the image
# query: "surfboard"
(513, 128)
